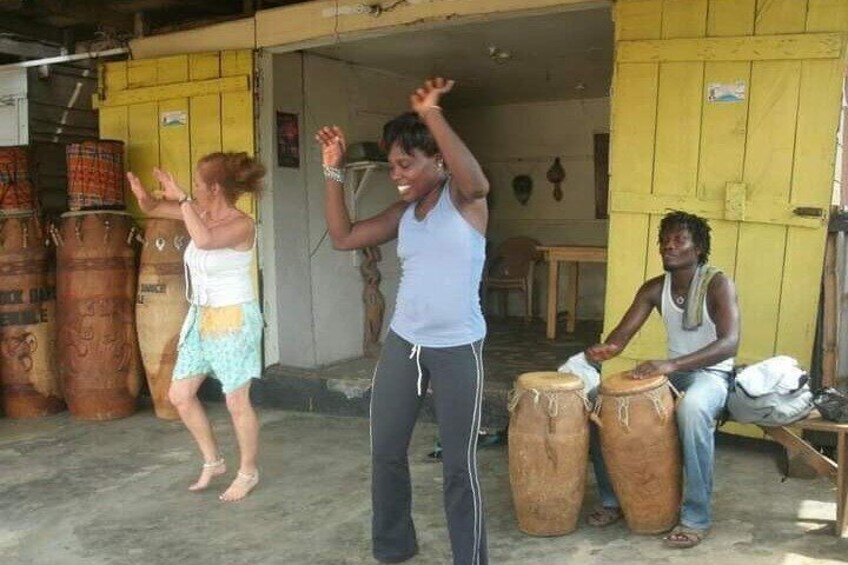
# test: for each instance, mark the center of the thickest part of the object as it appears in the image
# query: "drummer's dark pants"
(704, 399)
(456, 376)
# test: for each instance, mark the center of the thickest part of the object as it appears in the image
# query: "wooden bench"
(836, 470)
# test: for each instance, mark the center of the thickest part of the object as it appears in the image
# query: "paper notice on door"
(172, 119)
(726, 92)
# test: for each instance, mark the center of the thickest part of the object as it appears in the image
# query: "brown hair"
(235, 173)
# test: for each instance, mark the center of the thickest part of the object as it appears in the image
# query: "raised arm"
(466, 175)
(646, 299)
(153, 207)
(343, 233)
(236, 233)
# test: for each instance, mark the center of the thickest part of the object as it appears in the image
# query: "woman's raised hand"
(428, 96)
(333, 145)
(170, 189)
(145, 201)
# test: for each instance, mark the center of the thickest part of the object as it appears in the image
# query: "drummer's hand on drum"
(601, 352)
(145, 200)
(170, 189)
(652, 369)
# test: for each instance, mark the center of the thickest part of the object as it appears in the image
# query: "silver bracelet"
(334, 173)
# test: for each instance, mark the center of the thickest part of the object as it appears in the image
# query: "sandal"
(684, 537)
(243, 483)
(603, 516)
(211, 469)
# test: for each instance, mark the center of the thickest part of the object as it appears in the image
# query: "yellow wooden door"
(759, 164)
(172, 111)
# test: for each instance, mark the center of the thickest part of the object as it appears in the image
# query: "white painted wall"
(519, 139)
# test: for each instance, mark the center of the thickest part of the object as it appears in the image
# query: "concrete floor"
(115, 493)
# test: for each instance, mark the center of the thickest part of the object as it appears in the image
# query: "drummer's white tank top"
(683, 342)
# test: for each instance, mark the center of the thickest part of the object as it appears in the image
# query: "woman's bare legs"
(247, 433)
(183, 395)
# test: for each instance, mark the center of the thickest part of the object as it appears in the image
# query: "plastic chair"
(511, 267)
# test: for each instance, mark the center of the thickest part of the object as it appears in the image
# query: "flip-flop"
(603, 516)
(683, 537)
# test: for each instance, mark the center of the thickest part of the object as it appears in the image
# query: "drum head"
(622, 384)
(549, 380)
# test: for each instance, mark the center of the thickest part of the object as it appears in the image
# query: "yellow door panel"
(731, 17)
(759, 268)
(678, 128)
(771, 129)
(142, 147)
(634, 114)
(818, 119)
(205, 125)
(799, 293)
(684, 18)
(172, 69)
(723, 133)
(827, 15)
(780, 16)
(640, 19)
(204, 65)
(141, 73)
(175, 141)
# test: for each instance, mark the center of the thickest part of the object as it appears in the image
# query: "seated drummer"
(701, 317)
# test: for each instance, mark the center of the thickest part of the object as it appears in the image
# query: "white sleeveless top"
(683, 342)
(218, 277)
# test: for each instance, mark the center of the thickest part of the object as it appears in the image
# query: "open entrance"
(531, 102)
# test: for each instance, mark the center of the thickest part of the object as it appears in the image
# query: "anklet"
(212, 464)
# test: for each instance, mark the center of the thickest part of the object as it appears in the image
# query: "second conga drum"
(28, 378)
(548, 452)
(161, 307)
(641, 449)
(95, 293)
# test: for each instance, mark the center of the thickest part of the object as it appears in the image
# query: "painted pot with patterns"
(548, 451)
(161, 306)
(16, 189)
(641, 449)
(96, 282)
(28, 377)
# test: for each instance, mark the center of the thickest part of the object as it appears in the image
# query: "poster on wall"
(288, 140)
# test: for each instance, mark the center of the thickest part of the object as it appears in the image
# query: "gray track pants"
(456, 374)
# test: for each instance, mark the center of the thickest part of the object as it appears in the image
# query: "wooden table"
(575, 255)
(836, 470)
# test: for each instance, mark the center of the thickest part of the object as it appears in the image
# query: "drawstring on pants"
(416, 352)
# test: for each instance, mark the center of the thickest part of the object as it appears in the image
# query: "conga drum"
(28, 377)
(95, 175)
(161, 307)
(548, 451)
(16, 190)
(641, 449)
(95, 292)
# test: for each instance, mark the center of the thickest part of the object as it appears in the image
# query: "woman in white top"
(223, 329)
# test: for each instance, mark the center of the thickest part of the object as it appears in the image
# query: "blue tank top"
(441, 258)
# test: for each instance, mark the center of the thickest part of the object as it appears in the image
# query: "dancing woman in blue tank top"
(436, 334)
